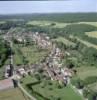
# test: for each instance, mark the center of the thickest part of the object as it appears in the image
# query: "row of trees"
(4, 52)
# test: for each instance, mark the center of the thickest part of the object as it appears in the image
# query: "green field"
(48, 23)
(90, 23)
(12, 94)
(57, 24)
(88, 44)
(44, 90)
(92, 34)
(93, 86)
(63, 40)
(86, 71)
(31, 53)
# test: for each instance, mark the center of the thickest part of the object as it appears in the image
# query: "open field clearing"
(2, 22)
(90, 23)
(92, 34)
(44, 90)
(12, 94)
(87, 43)
(48, 23)
(58, 24)
(64, 40)
(85, 71)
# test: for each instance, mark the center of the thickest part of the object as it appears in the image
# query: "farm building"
(6, 84)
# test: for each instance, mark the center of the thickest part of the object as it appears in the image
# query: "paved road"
(26, 93)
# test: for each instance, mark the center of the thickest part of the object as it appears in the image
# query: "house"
(6, 84)
(21, 71)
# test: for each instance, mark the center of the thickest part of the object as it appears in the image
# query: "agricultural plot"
(48, 23)
(88, 44)
(93, 86)
(86, 71)
(12, 94)
(92, 34)
(90, 23)
(64, 40)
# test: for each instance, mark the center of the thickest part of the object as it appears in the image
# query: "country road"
(26, 93)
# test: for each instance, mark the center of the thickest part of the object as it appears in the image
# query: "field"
(64, 40)
(87, 43)
(93, 86)
(48, 23)
(90, 23)
(12, 94)
(44, 90)
(86, 71)
(57, 24)
(31, 53)
(92, 34)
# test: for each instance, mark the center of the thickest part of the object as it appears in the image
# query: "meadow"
(92, 34)
(49, 91)
(12, 94)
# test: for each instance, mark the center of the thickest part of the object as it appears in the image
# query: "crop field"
(90, 23)
(50, 91)
(86, 71)
(92, 34)
(87, 43)
(58, 24)
(12, 94)
(64, 40)
(48, 23)
(93, 86)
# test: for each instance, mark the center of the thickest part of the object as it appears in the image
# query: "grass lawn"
(92, 34)
(85, 71)
(64, 40)
(12, 94)
(44, 90)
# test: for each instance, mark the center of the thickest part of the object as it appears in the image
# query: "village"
(50, 65)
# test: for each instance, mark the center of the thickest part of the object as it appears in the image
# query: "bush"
(37, 76)
(90, 80)
(50, 83)
(86, 92)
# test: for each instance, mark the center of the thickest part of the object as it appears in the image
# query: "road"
(25, 92)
